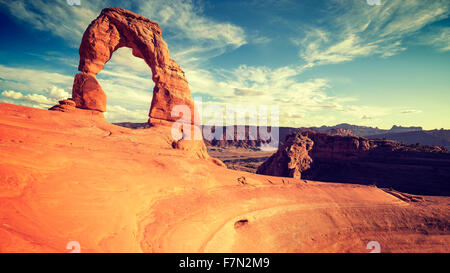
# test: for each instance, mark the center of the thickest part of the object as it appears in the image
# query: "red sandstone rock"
(74, 177)
(350, 159)
(115, 28)
(64, 106)
(338, 147)
(188, 142)
(340, 132)
(87, 93)
(69, 102)
(291, 158)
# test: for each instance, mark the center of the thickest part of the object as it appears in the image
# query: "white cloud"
(33, 98)
(12, 94)
(116, 113)
(57, 93)
(35, 87)
(57, 17)
(188, 20)
(32, 80)
(300, 102)
(247, 92)
(183, 24)
(192, 35)
(438, 37)
(123, 60)
(411, 111)
(345, 50)
(261, 40)
(127, 80)
(128, 84)
(40, 99)
(358, 29)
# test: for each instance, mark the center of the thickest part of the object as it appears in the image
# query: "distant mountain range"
(407, 135)
(431, 137)
(365, 131)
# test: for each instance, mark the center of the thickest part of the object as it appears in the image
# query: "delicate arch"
(115, 28)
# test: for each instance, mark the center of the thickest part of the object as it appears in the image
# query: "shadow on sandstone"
(413, 169)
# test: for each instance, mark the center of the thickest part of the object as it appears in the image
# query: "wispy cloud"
(193, 35)
(301, 102)
(247, 92)
(34, 87)
(182, 22)
(438, 37)
(33, 80)
(128, 86)
(117, 113)
(127, 81)
(56, 17)
(352, 30)
(345, 50)
(411, 111)
(356, 29)
(189, 22)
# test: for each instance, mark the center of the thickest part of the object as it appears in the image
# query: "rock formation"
(351, 159)
(240, 136)
(115, 28)
(291, 159)
(73, 176)
(340, 132)
(64, 105)
(252, 138)
(87, 92)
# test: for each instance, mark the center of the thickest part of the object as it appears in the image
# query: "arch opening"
(128, 86)
(116, 28)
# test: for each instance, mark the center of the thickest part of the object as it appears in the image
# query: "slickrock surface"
(71, 176)
(115, 28)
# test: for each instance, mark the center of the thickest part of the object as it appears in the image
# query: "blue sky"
(321, 62)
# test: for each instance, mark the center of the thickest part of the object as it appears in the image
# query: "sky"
(321, 62)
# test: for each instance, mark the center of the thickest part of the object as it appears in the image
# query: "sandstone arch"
(115, 28)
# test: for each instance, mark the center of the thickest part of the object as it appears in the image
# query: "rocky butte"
(351, 159)
(69, 175)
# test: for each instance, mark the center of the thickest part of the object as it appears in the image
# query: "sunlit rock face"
(351, 159)
(291, 159)
(73, 177)
(115, 28)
